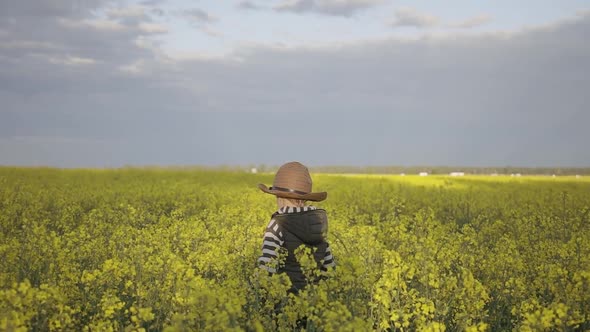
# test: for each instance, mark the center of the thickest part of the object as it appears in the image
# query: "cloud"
(326, 7)
(67, 42)
(406, 16)
(248, 5)
(132, 11)
(139, 18)
(72, 61)
(135, 68)
(410, 17)
(40, 9)
(98, 24)
(472, 22)
(152, 2)
(152, 28)
(199, 16)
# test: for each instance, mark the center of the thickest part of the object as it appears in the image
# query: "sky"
(111, 83)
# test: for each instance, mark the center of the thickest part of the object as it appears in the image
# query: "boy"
(295, 224)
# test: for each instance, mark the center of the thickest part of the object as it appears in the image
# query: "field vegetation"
(150, 250)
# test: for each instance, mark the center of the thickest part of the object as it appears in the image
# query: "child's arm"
(328, 259)
(273, 240)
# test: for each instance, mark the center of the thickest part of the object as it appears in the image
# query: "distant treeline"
(507, 170)
(409, 170)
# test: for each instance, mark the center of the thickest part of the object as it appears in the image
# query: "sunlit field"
(161, 249)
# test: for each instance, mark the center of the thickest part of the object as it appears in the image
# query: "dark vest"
(307, 228)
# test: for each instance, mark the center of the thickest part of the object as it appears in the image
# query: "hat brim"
(316, 197)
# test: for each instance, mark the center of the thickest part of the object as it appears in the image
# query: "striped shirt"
(274, 239)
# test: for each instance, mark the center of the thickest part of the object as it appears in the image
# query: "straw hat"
(293, 181)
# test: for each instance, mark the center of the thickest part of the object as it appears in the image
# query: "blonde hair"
(282, 202)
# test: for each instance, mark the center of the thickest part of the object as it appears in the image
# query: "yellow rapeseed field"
(158, 249)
